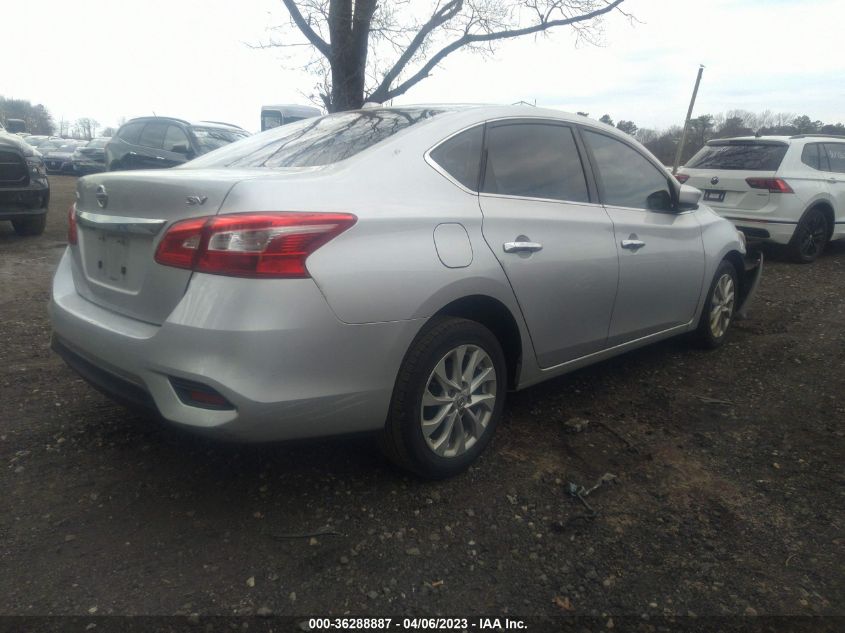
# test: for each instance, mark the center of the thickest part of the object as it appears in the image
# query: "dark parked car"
(24, 190)
(91, 157)
(159, 142)
(58, 157)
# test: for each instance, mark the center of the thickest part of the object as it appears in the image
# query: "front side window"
(175, 139)
(153, 135)
(627, 178)
(270, 119)
(460, 156)
(836, 156)
(317, 141)
(534, 160)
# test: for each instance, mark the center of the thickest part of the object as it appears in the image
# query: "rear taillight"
(774, 185)
(250, 244)
(72, 235)
(682, 178)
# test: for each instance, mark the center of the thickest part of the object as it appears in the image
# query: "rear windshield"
(316, 141)
(746, 156)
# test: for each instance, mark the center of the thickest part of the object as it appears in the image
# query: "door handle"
(522, 247)
(632, 245)
(832, 180)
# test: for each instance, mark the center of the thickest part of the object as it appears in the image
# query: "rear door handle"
(522, 247)
(832, 180)
(632, 245)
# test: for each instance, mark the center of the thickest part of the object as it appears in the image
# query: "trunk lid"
(730, 189)
(121, 216)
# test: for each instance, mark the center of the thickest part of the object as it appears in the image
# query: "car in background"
(90, 158)
(277, 115)
(58, 159)
(161, 142)
(24, 189)
(393, 270)
(787, 190)
(15, 125)
(45, 144)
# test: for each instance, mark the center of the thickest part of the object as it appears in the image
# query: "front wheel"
(30, 226)
(717, 315)
(448, 398)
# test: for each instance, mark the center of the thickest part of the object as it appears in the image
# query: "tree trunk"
(349, 42)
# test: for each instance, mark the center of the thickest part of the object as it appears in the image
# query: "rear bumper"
(290, 370)
(755, 230)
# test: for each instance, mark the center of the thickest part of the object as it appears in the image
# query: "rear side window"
(534, 160)
(460, 156)
(627, 178)
(810, 155)
(836, 156)
(747, 156)
(153, 135)
(130, 132)
(318, 141)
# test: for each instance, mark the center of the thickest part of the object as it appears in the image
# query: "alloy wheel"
(458, 401)
(722, 305)
(814, 236)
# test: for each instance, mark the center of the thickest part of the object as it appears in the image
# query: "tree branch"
(319, 43)
(440, 16)
(469, 38)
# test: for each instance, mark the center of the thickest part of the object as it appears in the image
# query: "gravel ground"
(727, 499)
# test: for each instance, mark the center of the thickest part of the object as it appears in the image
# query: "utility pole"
(686, 122)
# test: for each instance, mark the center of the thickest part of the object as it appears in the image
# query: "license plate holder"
(714, 195)
(113, 256)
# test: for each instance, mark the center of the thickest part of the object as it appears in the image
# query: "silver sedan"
(396, 270)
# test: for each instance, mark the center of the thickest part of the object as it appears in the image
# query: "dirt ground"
(728, 498)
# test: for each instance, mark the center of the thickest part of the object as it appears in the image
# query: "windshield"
(210, 138)
(748, 156)
(317, 141)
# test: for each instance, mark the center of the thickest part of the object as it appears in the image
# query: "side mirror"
(688, 197)
(180, 149)
(659, 201)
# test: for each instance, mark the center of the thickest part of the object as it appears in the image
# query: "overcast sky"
(189, 58)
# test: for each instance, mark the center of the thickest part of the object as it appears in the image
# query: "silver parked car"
(394, 270)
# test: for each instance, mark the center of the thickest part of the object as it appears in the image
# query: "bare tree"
(350, 40)
(87, 128)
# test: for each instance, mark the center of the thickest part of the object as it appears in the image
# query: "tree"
(350, 40)
(87, 128)
(805, 125)
(37, 118)
(108, 131)
(627, 126)
(605, 118)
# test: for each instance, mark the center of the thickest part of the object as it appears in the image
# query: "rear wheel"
(810, 238)
(718, 312)
(30, 226)
(448, 398)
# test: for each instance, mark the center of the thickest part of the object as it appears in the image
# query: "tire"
(810, 237)
(30, 226)
(723, 295)
(443, 438)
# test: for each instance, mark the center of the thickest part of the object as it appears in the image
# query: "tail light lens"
(774, 185)
(682, 178)
(250, 244)
(72, 235)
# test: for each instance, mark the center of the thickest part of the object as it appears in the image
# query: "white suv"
(782, 189)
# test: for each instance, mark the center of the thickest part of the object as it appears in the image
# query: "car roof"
(218, 124)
